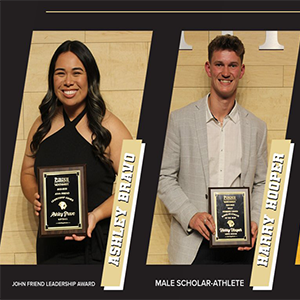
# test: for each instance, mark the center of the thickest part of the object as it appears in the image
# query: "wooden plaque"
(230, 208)
(63, 195)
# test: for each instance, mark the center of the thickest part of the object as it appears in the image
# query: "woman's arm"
(119, 132)
(28, 179)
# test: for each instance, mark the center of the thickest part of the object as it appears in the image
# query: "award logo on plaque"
(230, 210)
(63, 196)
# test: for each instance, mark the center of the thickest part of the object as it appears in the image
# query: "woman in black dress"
(74, 127)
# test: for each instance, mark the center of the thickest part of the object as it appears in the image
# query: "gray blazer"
(184, 177)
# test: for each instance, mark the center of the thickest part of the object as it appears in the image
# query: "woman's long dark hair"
(96, 108)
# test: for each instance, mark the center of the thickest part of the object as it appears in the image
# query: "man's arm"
(260, 177)
(258, 185)
(169, 190)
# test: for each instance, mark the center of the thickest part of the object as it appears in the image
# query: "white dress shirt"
(224, 149)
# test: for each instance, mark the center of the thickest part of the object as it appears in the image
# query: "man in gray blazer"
(212, 142)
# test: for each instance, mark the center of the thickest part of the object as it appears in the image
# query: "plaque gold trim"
(230, 209)
(63, 194)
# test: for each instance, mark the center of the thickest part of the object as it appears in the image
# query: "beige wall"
(265, 90)
(122, 58)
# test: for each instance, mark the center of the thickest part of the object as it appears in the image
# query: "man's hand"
(254, 230)
(204, 223)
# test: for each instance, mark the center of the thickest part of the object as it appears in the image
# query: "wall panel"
(265, 90)
(122, 58)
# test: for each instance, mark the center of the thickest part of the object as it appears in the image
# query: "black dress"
(66, 147)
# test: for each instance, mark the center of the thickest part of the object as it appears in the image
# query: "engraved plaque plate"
(63, 196)
(230, 210)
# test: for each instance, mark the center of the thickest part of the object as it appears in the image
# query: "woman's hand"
(92, 224)
(37, 204)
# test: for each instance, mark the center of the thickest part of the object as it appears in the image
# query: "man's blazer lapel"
(246, 141)
(201, 131)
